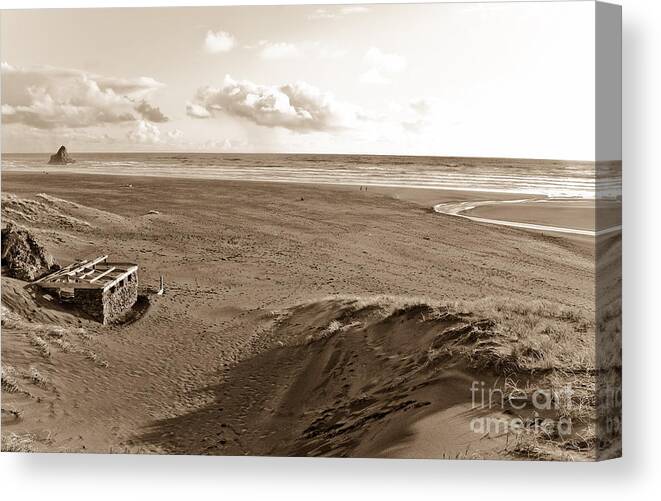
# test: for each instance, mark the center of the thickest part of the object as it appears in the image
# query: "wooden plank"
(72, 269)
(84, 275)
(87, 265)
(112, 268)
(59, 272)
(119, 278)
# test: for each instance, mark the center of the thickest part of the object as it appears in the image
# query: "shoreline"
(485, 201)
(212, 176)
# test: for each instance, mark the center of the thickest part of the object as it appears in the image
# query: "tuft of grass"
(541, 334)
(37, 378)
(90, 355)
(82, 334)
(17, 413)
(13, 442)
(9, 383)
(42, 346)
(333, 327)
(64, 345)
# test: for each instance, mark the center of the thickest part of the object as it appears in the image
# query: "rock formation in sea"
(61, 157)
(23, 256)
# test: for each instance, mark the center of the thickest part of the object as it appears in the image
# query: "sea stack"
(61, 157)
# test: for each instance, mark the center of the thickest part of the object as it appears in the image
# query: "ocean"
(552, 178)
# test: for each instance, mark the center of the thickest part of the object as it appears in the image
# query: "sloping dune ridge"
(381, 377)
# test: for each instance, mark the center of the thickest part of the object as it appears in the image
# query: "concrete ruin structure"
(105, 291)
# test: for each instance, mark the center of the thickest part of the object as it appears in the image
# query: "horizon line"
(168, 152)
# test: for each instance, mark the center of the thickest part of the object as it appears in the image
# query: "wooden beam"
(83, 275)
(119, 278)
(59, 272)
(87, 265)
(112, 268)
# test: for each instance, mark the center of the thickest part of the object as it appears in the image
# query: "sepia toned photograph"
(352, 231)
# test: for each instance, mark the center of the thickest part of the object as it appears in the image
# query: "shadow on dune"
(342, 377)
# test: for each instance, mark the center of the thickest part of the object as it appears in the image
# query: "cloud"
(144, 133)
(219, 41)
(333, 13)
(296, 106)
(323, 51)
(420, 106)
(37, 138)
(287, 50)
(381, 64)
(280, 50)
(373, 76)
(151, 113)
(175, 134)
(136, 87)
(392, 63)
(197, 111)
(354, 9)
(46, 97)
(322, 14)
(415, 126)
(420, 114)
(224, 145)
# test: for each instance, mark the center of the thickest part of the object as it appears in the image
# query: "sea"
(551, 178)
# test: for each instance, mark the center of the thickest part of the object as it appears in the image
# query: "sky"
(502, 80)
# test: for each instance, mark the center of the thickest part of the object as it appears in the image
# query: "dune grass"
(8, 379)
(525, 336)
(532, 345)
(37, 377)
(13, 442)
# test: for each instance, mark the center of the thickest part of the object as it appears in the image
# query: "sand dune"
(381, 377)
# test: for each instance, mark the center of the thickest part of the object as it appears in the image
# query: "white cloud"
(287, 50)
(415, 126)
(354, 9)
(392, 63)
(421, 106)
(296, 106)
(280, 50)
(45, 139)
(333, 13)
(151, 113)
(144, 133)
(225, 145)
(175, 134)
(327, 51)
(197, 111)
(47, 97)
(322, 14)
(219, 41)
(381, 64)
(373, 76)
(136, 87)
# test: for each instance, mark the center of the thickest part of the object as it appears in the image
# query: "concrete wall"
(110, 305)
(116, 303)
(91, 302)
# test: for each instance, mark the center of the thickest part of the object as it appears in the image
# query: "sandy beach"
(297, 319)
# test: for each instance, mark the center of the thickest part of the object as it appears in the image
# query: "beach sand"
(241, 355)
